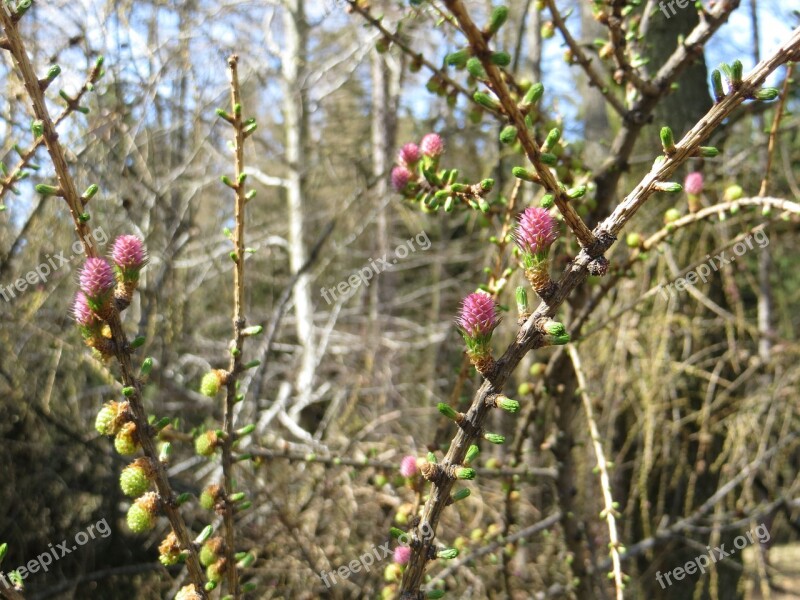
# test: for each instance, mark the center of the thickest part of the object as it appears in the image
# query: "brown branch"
(609, 508)
(530, 336)
(640, 113)
(122, 350)
(10, 593)
(239, 323)
(338, 461)
(73, 104)
(773, 133)
(595, 79)
(480, 48)
(357, 7)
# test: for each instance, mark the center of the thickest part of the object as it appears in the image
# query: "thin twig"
(122, 350)
(773, 133)
(530, 335)
(595, 79)
(239, 323)
(480, 48)
(605, 482)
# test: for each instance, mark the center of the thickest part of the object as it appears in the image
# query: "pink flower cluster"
(430, 148)
(98, 281)
(408, 466)
(536, 231)
(693, 184)
(478, 317)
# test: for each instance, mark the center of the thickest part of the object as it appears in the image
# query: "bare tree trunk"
(385, 96)
(295, 112)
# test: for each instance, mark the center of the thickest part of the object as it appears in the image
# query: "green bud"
(436, 594)
(431, 458)
(551, 140)
(486, 101)
(549, 159)
(548, 200)
(249, 587)
(447, 553)
(246, 561)
(254, 330)
(766, 94)
(475, 68)
(37, 128)
(84, 217)
(128, 391)
(672, 215)
(736, 72)
(667, 140)
(716, 84)
(501, 59)
(252, 364)
(733, 192)
(483, 205)
(521, 295)
(90, 192)
(560, 340)
(577, 192)
(461, 494)
(533, 95)
(3, 551)
(633, 240)
(138, 342)
(246, 430)
(227, 181)
(458, 58)
(524, 174)
(448, 411)
(487, 184)
(672, 187)
(472, 453)
(47, 190)
(508, 135)
(449, 204)
(465, 473)
(396, 533)
(53, 72)
(555, 328)
(165, 452)
(494, 438)
(147, 366)
(497, 19)
(507, 404)
(708, 151)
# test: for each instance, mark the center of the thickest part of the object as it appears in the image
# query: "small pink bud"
(432, 145)
(96, 279)
(409, 155)
(694, 183)
(402, 554)
(478, 316)
(408, 466)
(400, 178)
(128, 253)
(82, 312)
(536, 231)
